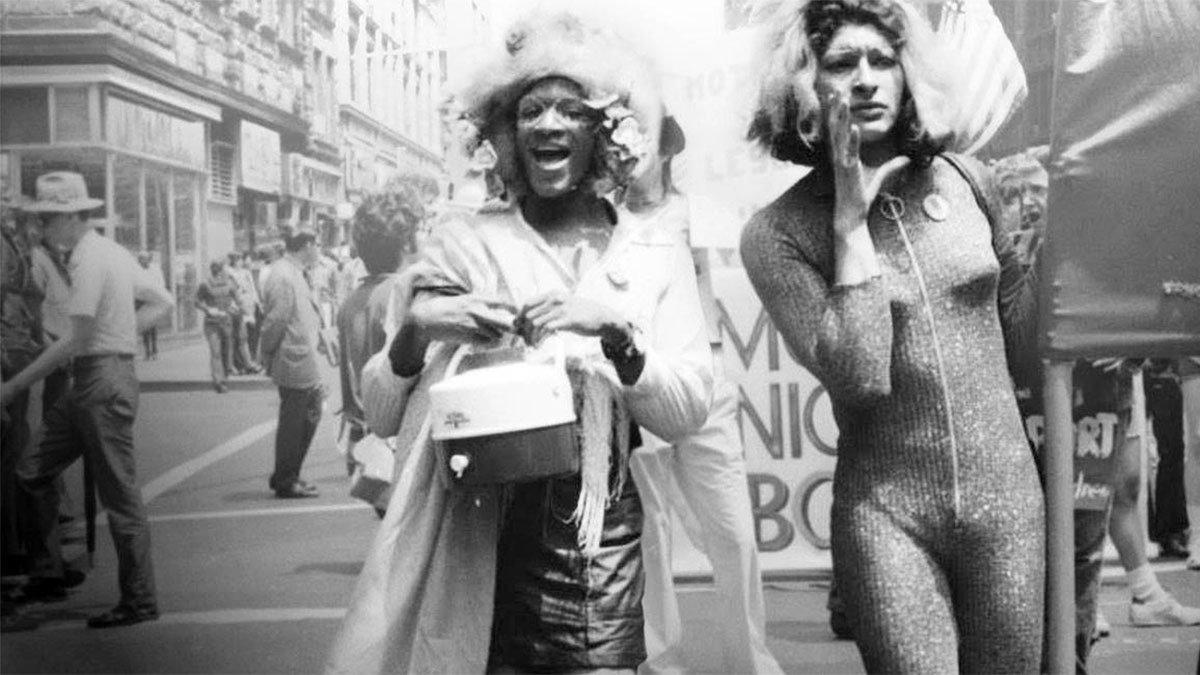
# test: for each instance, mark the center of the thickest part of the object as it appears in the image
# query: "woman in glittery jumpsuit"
(883, 271)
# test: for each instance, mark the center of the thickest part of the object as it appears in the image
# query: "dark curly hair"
(385, 225)
(787, 121)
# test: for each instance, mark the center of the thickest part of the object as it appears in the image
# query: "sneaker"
(1103, 627)
(1165, 612)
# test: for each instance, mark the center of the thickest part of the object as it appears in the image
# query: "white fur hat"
(570, 43)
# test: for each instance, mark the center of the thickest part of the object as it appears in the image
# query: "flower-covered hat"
(618, 80)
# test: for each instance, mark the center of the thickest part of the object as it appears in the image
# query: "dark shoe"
(43, 589)
(16, 622)
(73, 578)
(1173, 546)
(839, 620)
(297, 490)
(221, 388)
(840, 624)
(121, 616)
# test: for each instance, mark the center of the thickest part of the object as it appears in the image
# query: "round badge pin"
(936, 207)
(618, 278)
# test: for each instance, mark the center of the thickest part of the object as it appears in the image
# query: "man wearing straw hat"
(97, 413)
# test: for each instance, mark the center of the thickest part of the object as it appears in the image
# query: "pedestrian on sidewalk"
(96, 416)
(245, 318)
(291, 340)
(245, 328)
(1168, 500)
(150, 335)
(217, 297)
(20, 342)
(385, 227)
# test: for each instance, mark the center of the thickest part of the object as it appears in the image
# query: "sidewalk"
(183, 365)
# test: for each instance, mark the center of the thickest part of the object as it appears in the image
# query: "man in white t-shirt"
(97, 415)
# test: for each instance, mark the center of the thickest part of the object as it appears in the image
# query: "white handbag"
(385, 393)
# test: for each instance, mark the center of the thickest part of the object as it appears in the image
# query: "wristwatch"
(626, 348)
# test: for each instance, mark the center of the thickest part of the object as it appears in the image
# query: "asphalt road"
(248, 583)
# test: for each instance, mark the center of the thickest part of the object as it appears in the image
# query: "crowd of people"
(901, 274)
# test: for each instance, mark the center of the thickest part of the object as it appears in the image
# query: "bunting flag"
(993, 79)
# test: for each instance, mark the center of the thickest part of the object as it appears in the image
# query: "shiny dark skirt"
(555, 609)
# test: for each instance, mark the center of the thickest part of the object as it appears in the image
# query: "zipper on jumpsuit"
(892, 208)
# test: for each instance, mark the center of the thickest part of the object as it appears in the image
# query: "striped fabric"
(993, 78)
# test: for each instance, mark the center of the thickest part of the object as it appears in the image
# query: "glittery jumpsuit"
(938, 521)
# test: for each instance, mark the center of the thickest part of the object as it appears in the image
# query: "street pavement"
(252, 584)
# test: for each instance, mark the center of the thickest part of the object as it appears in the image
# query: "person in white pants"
(702, 480)
(706, 476)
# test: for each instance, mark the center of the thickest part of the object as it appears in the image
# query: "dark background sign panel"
(1123, 233)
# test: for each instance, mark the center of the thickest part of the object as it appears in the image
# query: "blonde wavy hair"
(787, 120)
(612, 71)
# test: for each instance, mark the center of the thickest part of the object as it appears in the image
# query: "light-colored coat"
(424, 600)
(291, 327)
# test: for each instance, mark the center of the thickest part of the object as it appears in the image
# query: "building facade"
(211, 126)
(392, 72)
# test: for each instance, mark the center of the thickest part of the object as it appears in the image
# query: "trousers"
(15, 507)
(1164, 402)
(299, 415)
(95, 416)
(705, 474)
(220, 349)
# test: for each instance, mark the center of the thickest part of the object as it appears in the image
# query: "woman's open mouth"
(550, 157)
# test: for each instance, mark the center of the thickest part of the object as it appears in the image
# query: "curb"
(177, 386)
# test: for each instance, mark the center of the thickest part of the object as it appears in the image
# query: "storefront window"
(8, 178)
(186, 185)
(157, 209)
(126, 217)
(26, 117)
(71, 115)
(186, 188)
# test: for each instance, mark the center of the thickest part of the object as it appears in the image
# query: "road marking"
(177, 475)
(240, 513)
(219, 617)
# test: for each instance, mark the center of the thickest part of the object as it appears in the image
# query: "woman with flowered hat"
(543, 576)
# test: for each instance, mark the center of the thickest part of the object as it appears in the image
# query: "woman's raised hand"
(557, 310)
(855, 186)
(470, 318)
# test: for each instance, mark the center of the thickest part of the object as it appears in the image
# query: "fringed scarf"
(603, 428)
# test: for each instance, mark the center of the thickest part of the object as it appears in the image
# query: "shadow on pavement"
(263, 495)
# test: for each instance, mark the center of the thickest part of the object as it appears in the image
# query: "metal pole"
(1060, 519)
